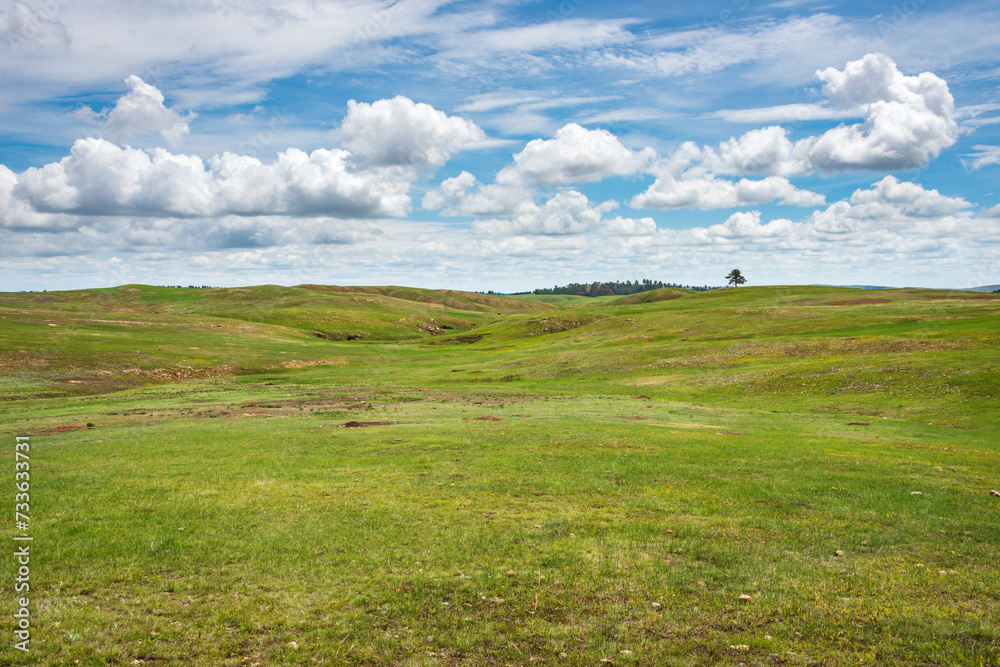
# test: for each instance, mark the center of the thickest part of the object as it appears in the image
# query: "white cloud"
(406, 133)
(566, 213)
(699, 189)
(390, 138)
(15, 213)
(797, 113)
(908, 119)
(746, 225)
(983, 157)
(464, 195)
(100, 178)
(847, 242)
(905, 199)
(141, 111)
(763, 151)
(619, 226)
(219, 52)
(791, 45)
(893, 205)
(570, 34)
(527, 100)
(574, 155)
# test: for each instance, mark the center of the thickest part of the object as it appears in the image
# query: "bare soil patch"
(858, 302)
(63, 428)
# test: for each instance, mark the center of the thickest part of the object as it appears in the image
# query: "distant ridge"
(863, 286)
(982, 288)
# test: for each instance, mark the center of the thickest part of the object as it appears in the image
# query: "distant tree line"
(613, 288)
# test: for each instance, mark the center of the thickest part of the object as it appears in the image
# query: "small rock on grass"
(994, 492)
(745, 598)
(916, 493)
(511, 573)
(838, 552)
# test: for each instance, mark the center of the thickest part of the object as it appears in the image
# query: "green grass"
(602, 480)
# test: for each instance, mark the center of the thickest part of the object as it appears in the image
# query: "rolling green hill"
(392, 476)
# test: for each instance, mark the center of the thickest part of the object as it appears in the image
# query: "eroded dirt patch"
(63, 428)
(858, 302)
(365, 424)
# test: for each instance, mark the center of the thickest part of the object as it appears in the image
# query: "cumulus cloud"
(568, 212)
(619, 226)
(907, 119)
(141, 111)
(892, 204)
(16, 213)
(101, 178)
(706, 191)
(745, 226)
(402, 132)
(764, 151)
(574, 155)
(464, 195)
(906, 199)
(388, 140)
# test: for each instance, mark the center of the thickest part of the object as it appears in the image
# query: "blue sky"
(498, 145)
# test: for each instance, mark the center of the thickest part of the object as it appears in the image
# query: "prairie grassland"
(538, 483)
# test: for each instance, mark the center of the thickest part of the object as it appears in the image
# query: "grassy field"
(391, 476)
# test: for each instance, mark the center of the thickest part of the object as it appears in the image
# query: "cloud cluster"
(388, 141)
(465, 195)
(400, 132)
(568, 212)
(890, 219)
(933, 242)
(908, 120)
(685, 179)
(101, 178)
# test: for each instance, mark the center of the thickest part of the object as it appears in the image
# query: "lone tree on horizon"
(735, 278)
